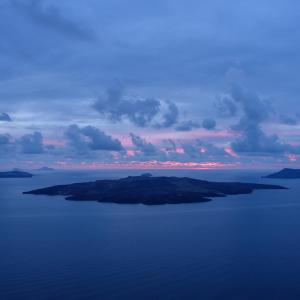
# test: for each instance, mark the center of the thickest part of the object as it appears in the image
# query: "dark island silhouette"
(46, 169)
(15, 174)
(150, 190)
(285, 174)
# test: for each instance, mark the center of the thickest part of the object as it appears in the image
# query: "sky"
(149, 84)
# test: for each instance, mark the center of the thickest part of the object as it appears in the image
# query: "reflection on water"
(238, 247)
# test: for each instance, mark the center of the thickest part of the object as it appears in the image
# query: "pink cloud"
(131, 153)
(292, 157)
(179, 150)
(231, 152)
(202, 150)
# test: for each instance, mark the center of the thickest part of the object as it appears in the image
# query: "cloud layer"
(5, 117)
(115, 82)
(88, 138)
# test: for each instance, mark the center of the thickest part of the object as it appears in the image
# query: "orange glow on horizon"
(151, 164)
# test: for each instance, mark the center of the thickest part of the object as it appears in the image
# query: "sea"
(236, 247)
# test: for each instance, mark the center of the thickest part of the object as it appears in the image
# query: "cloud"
(187, 126)
(141, 112)
(142, 145)
(5, 117)
(198, 149)
(209, 124)
(50, 17)
(171, 145)
(90, 138)
(252, 138)
(116, 107)
(225, 107)
(98, 140)
(50, 81)
(255, 108)
(75, 139)
(32, 143)
(4, 139)
(170, 116)
(288, 120)
(7, 146)
(132, 44)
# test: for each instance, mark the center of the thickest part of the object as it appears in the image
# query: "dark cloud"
(180, 151)
(52, 64)
(7, 146)
(75, 139)
(141, 112)
(170, 116)
(116, 107)
(191, 150)
(90, 138)
(210, 150)
(98, 140)
(32, 143)
(200, 150)
(225, 107)
(209, 124)
(187, 126)
(5, 117)
(171, 145)
(49, 16)
(255, 109)
(288, 120)
(142, 145)
(252, 138)
(4, 139)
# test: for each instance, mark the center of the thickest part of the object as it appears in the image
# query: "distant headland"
(150, 190)
(285, 174)
(46, 169)
(15, 174)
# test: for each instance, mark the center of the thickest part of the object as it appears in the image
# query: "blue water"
(238, 247)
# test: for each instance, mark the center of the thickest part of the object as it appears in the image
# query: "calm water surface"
(238, 247)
